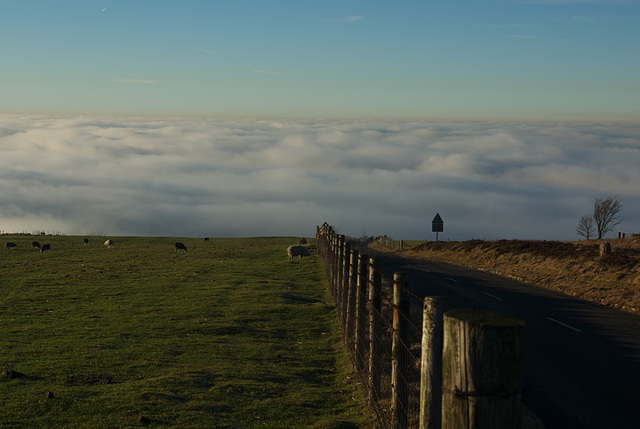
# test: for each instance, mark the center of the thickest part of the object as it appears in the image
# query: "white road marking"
(458, 289)
(453, 280)
(563, 324)
(492, 296)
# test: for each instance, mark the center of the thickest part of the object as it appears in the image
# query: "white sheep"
(299, 251)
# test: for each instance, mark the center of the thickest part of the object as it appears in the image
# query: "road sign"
(437, 224)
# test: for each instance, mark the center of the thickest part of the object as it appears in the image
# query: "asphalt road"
(582, 360)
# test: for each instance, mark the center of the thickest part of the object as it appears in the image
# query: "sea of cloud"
(240, 177)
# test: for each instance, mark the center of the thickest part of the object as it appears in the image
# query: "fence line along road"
(396, 342)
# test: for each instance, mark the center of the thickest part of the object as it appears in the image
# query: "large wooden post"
(334, 265)
(339, 272)
(375, 345)
(360, 311)
(351, 293)
(346, 260)
(431, 363)
(332, 258)
(483, 370)
(399, 382)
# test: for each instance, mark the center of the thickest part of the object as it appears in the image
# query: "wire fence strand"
(395, 342)
(364, 297)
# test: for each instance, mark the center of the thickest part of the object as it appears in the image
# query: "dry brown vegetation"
(573, 268)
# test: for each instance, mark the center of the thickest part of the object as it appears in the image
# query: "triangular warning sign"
(437, 225)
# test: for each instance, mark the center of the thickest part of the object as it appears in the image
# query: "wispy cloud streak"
(348, 18)
(521, 36)
(136, 81)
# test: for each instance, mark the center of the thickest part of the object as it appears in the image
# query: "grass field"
(229, 334)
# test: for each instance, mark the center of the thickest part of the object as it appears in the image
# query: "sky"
(474, 59)
(269, 117)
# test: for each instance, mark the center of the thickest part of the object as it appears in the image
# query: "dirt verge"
(572, 268)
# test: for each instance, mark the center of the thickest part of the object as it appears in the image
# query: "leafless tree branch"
(586, 227)
(605, 214)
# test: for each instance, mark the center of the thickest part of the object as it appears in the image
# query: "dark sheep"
(299, 251)
(9, 245)
(206, 239)
(35, 245)
(45, 248)
(179, 246)
(12, 374)
(86, 241)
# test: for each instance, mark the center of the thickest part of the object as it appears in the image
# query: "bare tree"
(586, 226)
(605, 214)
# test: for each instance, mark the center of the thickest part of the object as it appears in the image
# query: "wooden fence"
(423, 366)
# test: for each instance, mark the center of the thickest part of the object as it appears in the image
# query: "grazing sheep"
(299, 251)
(86, 241)
(45, 248)
(9, 245)
(35, 245)
(179, 246)
(302, 241)
(108, 243)
(206, 239)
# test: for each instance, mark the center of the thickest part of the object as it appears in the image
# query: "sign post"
(437, 225)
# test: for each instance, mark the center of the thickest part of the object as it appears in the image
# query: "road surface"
(582, 360)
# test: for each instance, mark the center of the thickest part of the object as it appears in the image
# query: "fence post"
(434, 308)
(339, 280)
(375, 305)
(332, 262)
(399, 388)
(360, 311)
(346, 261)
(483, 367)
(334, 265)
(351, 294)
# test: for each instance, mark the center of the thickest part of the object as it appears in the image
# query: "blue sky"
(269, 117)
(481, 59)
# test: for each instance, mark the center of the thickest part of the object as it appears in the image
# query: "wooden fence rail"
(400, 356)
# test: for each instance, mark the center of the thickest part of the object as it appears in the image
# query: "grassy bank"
(572, 268)
(229, 334)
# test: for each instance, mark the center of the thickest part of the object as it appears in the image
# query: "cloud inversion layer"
(197, 177)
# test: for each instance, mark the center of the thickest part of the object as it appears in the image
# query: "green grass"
(230, 334)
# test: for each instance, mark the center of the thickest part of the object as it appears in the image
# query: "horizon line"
(302, 117)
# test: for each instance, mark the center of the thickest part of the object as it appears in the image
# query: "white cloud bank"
(232, 178)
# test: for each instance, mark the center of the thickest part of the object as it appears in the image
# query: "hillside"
(227, 334)
(573, 268)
